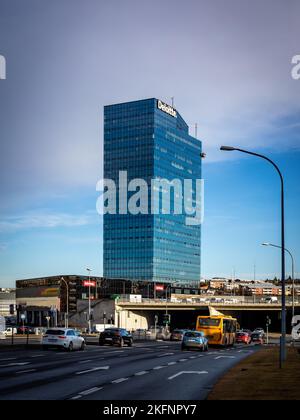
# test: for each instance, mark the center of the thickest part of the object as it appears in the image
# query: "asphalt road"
(146, 371)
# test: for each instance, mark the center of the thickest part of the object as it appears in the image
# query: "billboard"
(89, 283)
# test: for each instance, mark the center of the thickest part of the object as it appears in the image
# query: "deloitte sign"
(166, 108)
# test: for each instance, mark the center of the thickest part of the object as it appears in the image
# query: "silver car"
(194, 339)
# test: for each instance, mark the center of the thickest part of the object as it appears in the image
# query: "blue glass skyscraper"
(150, 140)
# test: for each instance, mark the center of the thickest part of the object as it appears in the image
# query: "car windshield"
(209, 322)
(193, 334)
(55, 332)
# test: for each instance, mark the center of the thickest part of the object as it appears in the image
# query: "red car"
(243, 337)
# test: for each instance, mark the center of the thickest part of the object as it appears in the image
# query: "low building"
(262, 289)
(218, 283)
(7, 302)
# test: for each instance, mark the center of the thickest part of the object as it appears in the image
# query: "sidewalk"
(258, 377)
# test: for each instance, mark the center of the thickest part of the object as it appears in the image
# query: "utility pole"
(89, 313)
(67, 303)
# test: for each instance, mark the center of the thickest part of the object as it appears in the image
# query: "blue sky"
(228, 67)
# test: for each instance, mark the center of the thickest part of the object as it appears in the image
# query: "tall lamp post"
(67, 306)
(293, 273)
(89, 313)
(282, 354)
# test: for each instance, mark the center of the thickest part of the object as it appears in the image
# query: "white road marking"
(143, 372)
(118, 381)
(192, 357)
(183, 360)
(91, 391)
(76, 397)
(92, 370)
(224, 357)
(185, 371)
(158, 367)
(15, 364)
(165, 354)
(171, 363)
(26, 371)
(9, 358)
(85, 361)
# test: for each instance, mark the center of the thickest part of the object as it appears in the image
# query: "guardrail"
(208, 303)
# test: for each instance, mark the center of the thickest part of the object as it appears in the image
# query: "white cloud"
(46, 220)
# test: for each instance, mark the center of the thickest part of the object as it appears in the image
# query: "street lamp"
(67, 313)
(293, 273)
(89, 313)
(282, 355)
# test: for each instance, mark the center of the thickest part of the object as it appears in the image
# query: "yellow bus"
(220, 330)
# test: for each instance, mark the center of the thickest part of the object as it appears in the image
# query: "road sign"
(23, 317)
(159, 287)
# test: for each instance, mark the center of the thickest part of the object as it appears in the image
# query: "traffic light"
(166, 319)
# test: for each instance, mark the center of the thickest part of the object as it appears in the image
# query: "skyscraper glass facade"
(150, 140)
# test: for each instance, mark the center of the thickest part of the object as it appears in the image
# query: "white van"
(271, 299)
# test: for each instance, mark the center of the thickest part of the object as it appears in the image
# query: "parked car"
(242, 337)
(257, 338)
(194, 339)
(177, 335)
(25, 330)
(246, 331)
(9, 331)
(65, 338)
(271, 299)
(115, 336)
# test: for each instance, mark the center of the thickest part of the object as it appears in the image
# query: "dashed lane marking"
(91, 391)
(118, 381)
(92, 370)
(26, 371)
(165, 354)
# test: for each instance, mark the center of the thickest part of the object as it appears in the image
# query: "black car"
(257, 338)
(115, 336)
